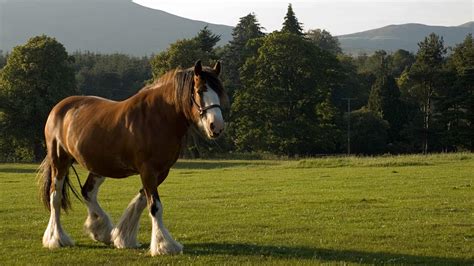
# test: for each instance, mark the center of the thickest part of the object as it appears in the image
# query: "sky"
(337, 16)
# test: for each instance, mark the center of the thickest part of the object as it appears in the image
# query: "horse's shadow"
(303, 253)
(320, 254)
(205, 165)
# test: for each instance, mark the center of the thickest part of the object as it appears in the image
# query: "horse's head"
(208, 97)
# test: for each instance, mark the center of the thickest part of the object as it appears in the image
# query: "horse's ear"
(217, 68)
(197, 68)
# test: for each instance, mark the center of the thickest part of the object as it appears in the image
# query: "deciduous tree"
(283, 105)
(37, 75)
(324, 40)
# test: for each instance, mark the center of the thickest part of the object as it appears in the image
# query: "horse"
(140, 135)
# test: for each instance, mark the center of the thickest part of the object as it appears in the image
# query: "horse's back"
(75, 102)
(78, 111)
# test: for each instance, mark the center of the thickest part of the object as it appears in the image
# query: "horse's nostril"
(212, 126)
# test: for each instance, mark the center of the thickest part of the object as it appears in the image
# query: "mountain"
(405, 36)
(104, 26)
(109, 26)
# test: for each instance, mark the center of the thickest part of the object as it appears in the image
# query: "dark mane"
(183, 81)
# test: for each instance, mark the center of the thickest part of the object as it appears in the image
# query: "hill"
(109, 26)
(405, 36)
(105, 26)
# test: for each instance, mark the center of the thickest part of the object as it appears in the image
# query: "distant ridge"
(405, 36)
(104, 26)
(467, 25)
(109, 26)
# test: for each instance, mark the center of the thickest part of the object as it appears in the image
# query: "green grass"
(394, 210)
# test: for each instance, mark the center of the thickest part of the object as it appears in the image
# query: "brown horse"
(141, 135)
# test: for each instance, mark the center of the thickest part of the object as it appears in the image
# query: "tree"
(324, 40)
(369, 132)
(455, 101)
(207, 40)
(237, 52)
(284, 100)
(352, 84)
(384, 100)
(114, 76)
(376, 64)
(426, 78)
(37, 75)
(399, 61)
(291, 24)
(3, 59)
(184, 53)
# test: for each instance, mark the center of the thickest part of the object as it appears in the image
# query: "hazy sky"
(337, 16)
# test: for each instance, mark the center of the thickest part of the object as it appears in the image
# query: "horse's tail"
(45, 181)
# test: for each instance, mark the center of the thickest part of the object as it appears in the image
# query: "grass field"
(394, 210)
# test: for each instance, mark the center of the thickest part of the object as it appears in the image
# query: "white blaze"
(213, 115)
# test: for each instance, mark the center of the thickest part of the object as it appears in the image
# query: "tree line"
(289, 91)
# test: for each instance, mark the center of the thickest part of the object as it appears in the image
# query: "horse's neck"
(159, 102)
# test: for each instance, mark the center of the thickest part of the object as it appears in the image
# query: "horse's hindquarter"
(92, 131)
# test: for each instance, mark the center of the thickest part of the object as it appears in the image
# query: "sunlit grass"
(393, 209)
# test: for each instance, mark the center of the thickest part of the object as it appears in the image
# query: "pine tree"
(455, 101)
(291, 24)
(236, 53)
(384, 100)
(426, 76)
(207, 40)
(183, 53)
(248, 28)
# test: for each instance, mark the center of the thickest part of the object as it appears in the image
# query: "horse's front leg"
(98, 224)
(161, 240)
(124, 235)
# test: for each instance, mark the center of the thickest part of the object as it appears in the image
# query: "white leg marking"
(124, 235)
(161, 240)
(54, 236)
(98, 224)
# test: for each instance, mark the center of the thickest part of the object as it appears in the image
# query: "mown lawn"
(395, 210)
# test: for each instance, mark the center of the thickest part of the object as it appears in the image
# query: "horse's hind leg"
(124, 235)
(57, 166)
(98, 225)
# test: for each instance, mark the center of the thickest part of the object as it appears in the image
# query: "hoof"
(54, 242)
(99, 228)
(168, 248)
(122, 241)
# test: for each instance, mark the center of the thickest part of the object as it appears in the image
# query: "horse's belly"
(107, 166)
(103, 156)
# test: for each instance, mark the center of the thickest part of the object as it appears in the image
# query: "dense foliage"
(37, 75)
(279, 107)
(115, 76)
(289, 90)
